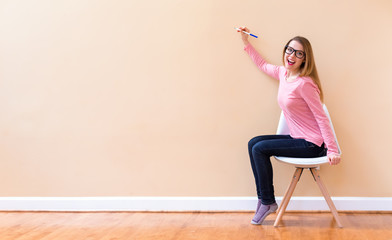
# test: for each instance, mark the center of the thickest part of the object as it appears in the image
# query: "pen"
(250, 34)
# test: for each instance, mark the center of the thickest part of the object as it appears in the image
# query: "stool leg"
(285, 196)
(327, 197)
(288, 194)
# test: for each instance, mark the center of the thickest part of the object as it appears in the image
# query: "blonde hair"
(308, 67)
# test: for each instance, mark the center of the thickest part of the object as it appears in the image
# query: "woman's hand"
(244, 35)
(334, 159)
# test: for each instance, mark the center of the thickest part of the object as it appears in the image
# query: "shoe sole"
(271, 210)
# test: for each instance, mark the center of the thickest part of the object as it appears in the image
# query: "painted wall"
(158, 98)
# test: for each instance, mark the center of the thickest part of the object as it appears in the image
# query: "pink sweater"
(300, 103)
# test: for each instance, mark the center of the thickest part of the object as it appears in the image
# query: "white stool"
(313, 164)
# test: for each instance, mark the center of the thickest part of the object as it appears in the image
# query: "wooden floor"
(183, 226)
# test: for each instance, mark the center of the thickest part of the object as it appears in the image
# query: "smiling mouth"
(290, 62)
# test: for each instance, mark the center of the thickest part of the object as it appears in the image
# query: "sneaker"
(258, 205)
(263, 212)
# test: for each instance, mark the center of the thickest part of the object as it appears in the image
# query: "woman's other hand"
(334, 159)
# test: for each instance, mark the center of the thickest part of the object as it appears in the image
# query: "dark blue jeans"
(261, 148)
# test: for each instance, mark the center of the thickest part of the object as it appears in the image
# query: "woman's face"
(294, 56)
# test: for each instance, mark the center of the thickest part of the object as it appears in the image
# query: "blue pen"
(250, 34)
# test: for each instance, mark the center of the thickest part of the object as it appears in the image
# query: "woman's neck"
(292, 74)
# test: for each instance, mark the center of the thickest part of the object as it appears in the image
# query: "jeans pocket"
(319, 151)
(323, 152)
(311, 145)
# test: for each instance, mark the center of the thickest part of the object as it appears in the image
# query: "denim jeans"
(261, 148)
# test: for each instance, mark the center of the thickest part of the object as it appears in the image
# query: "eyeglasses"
(298, 53)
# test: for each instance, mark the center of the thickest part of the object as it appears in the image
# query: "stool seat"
(303, 162)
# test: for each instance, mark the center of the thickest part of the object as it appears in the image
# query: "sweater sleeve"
(267, 68)
(311, 95)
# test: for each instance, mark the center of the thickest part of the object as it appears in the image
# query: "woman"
(300, 97)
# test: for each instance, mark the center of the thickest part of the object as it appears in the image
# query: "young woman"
(300, 97)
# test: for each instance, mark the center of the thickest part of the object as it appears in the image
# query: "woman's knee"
(252, 142)
(258, 139)
(258, 147)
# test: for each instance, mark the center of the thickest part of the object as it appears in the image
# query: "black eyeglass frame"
(295, 52)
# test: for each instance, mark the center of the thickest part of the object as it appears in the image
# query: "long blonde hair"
(308, 67)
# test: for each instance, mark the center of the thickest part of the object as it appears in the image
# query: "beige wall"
(157, 98)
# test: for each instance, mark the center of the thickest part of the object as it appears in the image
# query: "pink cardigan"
(300, 103)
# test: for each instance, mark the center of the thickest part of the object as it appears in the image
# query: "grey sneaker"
(263, 212)
(258, 205)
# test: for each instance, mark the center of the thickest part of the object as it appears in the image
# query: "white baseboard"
(185, 203)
